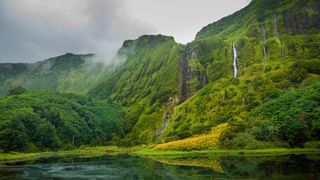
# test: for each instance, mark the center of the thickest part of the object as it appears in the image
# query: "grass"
(147, 151)
(84, 152)
(258, 152)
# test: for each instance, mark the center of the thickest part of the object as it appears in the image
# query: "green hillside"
(146, 85)
(67, 73)
(42, 120)
(172, 91)
(292, 58)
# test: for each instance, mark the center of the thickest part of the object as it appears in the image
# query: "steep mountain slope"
(276, 44)
(41, 120)
(172, 91)
(146, 85)
(66, 73)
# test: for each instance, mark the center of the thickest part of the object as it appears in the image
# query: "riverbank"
(147, 151)
(84, 152)
(258, 152)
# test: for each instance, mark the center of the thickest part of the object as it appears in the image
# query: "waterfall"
(235, 56)
(264, 37)
(282, 52)
(263, 30)
(276, 34)
(164, 125)
(185, 74)
(264, 54)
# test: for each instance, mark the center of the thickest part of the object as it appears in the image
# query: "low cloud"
(32, 30)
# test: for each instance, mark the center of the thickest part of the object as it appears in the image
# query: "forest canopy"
(42, 120)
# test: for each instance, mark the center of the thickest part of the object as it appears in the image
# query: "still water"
(131, 167)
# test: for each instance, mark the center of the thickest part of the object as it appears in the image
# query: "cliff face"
(144, 84)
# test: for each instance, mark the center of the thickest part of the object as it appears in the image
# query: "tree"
(16, 90)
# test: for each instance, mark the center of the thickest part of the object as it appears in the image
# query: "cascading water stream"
(264, 54)
(235, 56)
(264, 37)
(282, 52)
(276, 33)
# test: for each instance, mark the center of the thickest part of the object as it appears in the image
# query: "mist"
(33, 30)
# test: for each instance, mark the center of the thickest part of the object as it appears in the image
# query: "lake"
(133, 167)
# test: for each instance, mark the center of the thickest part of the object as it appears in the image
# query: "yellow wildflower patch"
(201, 142)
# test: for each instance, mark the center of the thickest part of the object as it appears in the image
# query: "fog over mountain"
(34, 30)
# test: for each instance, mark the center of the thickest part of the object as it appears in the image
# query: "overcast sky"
(33, 30)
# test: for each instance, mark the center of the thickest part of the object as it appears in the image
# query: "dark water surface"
(130, 167)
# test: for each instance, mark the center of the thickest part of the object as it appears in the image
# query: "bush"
(16, 90)
(265, 131)
(312, 144)
(293, 131)
(30, 147)
(244, 140)
(312, 66)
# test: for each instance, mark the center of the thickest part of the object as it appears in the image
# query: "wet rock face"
(172, 102)
(263, 33)
(185, 77)
(302, 22)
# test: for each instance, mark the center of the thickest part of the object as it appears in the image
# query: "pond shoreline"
(145, 151)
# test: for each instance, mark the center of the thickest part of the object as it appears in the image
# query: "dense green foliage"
(293, 117)
(292, 58)
(67, 73)
(144, 84)
(159, 74)
(42, 120)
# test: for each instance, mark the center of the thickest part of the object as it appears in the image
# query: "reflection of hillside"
(315, 157)
(241, 166)
(195, 162)
(231, 166)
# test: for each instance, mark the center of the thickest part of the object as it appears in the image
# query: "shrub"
(244, 140)
(16, 90)
(30, 147)
(312, 144)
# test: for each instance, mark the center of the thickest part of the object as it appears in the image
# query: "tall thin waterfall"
(235, 56)
(282, 52)
(264, 37)
(276, 33)
(264, 54)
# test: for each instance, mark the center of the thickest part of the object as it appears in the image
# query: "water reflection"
(130, 167)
